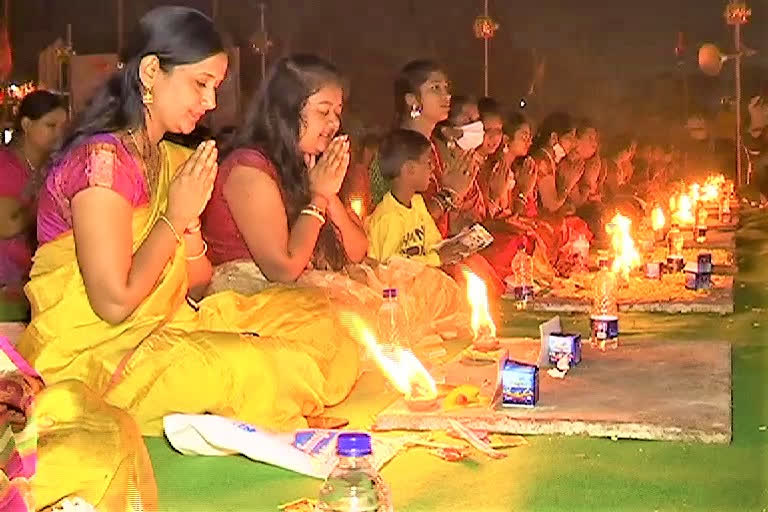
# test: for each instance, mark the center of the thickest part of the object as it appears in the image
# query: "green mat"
(551, 473)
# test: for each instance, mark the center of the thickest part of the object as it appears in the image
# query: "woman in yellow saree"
(113, 328)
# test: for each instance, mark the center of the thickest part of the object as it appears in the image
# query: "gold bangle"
(313, 213)
(198, 256)
(316, 208)
(194, 229)
(170, 226)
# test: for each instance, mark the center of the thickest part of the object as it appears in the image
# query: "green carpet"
(551, 473)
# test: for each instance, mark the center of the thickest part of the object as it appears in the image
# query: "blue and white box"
(564, 345)
(519, 384)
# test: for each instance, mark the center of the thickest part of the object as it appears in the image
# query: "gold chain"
(151, 165)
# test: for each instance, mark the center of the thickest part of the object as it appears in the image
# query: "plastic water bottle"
(604, 318)
(392, 322)
(354, 485)
(522, 279)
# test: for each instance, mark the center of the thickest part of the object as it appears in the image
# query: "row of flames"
(400, 365)
(409, 376)
(683, 207)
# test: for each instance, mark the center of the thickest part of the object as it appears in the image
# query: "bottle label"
(604, 328)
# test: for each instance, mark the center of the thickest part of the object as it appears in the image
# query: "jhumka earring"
(147, 97)
(415, 111)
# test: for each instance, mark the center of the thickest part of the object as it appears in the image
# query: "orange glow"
(695, 192)
(400, 366)
(713, 188)
(356, 204)
(625, 254)
(477, 295)
(683, 214)
(701, 217)
(658, 221)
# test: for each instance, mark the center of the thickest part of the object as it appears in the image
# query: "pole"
(737, 67)
(266, 38)
(120, 25)
(214, 10)
(485, 66)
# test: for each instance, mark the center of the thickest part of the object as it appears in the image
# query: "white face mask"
(472, 136)
(559, 152)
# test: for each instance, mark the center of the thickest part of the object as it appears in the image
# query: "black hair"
(36, 105)
(397, 148)
(618, 143)
(583, 125)
(177, 36)
(488, 106)
(412, 76)
(273, 126)
(559, 123)
(458, 103)
(513, 121)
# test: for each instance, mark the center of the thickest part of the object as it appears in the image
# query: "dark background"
(607, 59)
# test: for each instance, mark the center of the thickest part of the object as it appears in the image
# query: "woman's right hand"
(461, 172)
(327, 175)
(192, 186)
(502, 180)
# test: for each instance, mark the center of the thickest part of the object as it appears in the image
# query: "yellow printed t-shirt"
(396, 230)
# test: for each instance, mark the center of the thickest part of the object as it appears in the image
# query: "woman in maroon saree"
(559, 171)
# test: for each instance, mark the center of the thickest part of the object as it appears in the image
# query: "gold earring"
(147, 97)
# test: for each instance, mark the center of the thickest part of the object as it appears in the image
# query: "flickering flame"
(695, 192)
(658, 221)
(713, 188)
(356, 204)
(625, 254)
(477, 295)
(683, 214)
(400, 366)
(701, 217)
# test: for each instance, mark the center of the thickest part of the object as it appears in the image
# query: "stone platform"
(643, 390)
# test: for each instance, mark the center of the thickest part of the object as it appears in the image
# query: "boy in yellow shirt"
(401, 224)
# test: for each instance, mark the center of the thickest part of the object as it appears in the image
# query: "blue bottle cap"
(353, 444)
(390, 293)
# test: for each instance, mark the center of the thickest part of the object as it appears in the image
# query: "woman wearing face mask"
(38, 129)
(422, 100)
(122, 257)
(472, 208)
(554, 141)
(559, 170)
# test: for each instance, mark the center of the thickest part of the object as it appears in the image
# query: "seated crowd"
(236, 264)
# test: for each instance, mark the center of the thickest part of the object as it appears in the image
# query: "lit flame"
(658, 221)
(356, 204)
(399, 365)
(683, 215)
(713, 188)
(625, 255)
(477, 295)
(701, 217)
(695, 192)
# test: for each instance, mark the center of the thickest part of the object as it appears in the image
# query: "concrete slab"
(643, 390)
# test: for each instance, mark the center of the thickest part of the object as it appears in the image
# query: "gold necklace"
(151, 167)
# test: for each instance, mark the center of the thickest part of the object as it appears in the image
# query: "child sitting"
(401, 224)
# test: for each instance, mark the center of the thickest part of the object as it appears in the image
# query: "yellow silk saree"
(269, 359)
